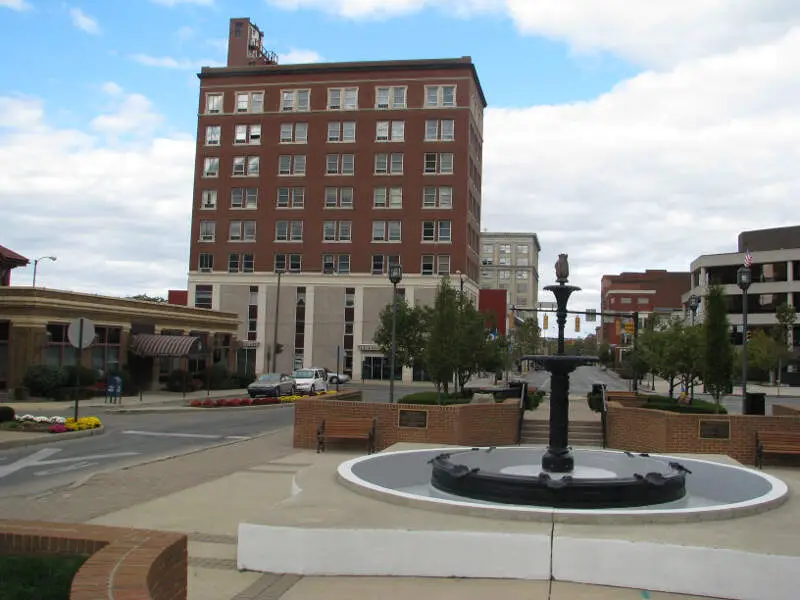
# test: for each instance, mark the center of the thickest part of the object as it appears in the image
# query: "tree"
(764, 351)
(473, 350)
(147, 298)
(604, 354)
(690, 363)
(718, 349)
(786, 316)
(441, 327)
(410, 332)
(526, 339)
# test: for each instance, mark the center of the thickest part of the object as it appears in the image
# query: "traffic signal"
(577, 324)
(749, 335)
(544, 323)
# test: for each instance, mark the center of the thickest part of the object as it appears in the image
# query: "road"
(129, 439)
(580, 380)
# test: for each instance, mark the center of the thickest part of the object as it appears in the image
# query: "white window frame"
(340, 164)
(297, 133)
(443, 265)
(208, 200)
(207, 162)
(439, 233)
(344, 132)
(435, 130)
(292, 228)
(381, 163)
(211, 100)
(210, 233)
(348, 98)
(290, 100)
(295, 198)
(246, 203)
(342, 231)
(344, 198)
(439, 92)
(209, 267)
(249, 104)
(297, 165)
(211, 139)
(391, 97)
(437, 197)
(427, 259)
(438, 169)
(396, 163)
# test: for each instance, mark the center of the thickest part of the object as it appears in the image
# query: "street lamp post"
(36, 265)
(395, 276)
(744, 278)
(275, 326)
(694, 302)
(458, 323)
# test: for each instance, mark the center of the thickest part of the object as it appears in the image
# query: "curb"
(195, 409)
(51, 438)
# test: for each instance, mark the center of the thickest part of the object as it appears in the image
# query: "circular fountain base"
(603, 480)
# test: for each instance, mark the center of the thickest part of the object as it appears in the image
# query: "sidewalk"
(662, 388)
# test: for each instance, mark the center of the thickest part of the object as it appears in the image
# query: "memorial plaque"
(715, 430)
(417, 419)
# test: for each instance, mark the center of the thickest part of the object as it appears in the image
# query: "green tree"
(410, 332)
(690, 362)
(147, 298)
(718, 349)
(764, 351)
(474, 350)
(604, 354)
(526, 339)
(786, 316)
(441, 326)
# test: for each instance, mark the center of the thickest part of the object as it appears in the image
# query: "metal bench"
(346, 428)
(776, 442)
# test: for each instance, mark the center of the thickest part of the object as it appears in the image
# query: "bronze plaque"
(715, 430)
(417, 419)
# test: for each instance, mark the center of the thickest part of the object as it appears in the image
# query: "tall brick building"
(310, 180)
(652, 292)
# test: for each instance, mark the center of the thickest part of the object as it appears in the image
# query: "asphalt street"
(129, 439)
(580, 380)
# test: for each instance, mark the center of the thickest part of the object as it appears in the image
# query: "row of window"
(332, 231)
(435, 163)
(436, 130)
(338, 98)
(334, 197)
(505, 274)
(430, 264)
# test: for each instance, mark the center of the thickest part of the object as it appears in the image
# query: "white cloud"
(364, 9)
(129, 113)
(83, 21)
(19, 5)
(295, 56)
(169, 62)
(172, 3)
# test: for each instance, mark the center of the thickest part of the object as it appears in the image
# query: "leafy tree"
(147, 298)
(410, 332)
(473, 350)
(786, 316)
(604, 354)
(718, 350)
(690, 363)
(525, 340)
(440, 321)
(764, 351)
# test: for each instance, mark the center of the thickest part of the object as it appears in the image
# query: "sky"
(629, 135)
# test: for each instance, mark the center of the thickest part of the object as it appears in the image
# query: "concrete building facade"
(510, 261)
(311, 180)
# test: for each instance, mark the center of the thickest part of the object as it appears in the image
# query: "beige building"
(510, 261)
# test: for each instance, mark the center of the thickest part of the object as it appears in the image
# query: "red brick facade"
(124, 563)
(494, 304)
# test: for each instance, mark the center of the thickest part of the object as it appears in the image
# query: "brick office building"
(652, 292)
(312, 179)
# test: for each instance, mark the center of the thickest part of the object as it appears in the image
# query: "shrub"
(220, 378)
(534, 399)
(234, 402)
(697, 406)
(428, 398)
(42, 380)
(7, 414)
(79, 376)
(209, 403)
(595, 401)
(221, 402)
(246, 402)
(67, 393)
(176, 379)
(196, 403)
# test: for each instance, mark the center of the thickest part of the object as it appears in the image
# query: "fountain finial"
(562, 268)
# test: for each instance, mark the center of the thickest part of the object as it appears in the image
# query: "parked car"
(335, 378)
(272, 385)
(310, 380)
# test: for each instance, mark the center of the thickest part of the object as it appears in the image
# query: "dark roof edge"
(389, 65)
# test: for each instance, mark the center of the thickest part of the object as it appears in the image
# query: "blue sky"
(630, 135)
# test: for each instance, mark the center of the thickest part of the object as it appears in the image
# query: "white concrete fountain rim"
(777, 494)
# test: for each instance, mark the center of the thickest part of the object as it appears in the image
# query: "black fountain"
(600, 479)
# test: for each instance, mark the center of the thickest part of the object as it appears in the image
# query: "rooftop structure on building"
(10, 260)
(313, 179)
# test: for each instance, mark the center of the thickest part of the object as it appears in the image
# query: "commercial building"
(654, 292)
(775, 272)
(311, 180)
(510, 261)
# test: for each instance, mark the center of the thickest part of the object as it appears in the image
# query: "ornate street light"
(36, 265)
(395, 277)
(278, 272)
(694, 302)
(744, 278)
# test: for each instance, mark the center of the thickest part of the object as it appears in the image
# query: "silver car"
(272, 385)
(335, 378)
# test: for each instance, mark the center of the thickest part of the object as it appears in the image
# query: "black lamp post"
(694, 302)
(279, 272)
(395, 276)
(744, 278)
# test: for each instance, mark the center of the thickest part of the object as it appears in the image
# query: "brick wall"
(783, 410)
(124, 563)
(647, 430)
(466, 424)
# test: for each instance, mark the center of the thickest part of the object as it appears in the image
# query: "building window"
(295, 100)
(393, 97)
(291, 263)
(335, 263)
(246, 165)
(205, 262)
(337, 231)
(443, 265)
(389, 164)
(387, 231)
(58, 352)
(211, 167)
(241, 263)
(381, 263)
(387, 197)
(343, 98)
(208, 200)
(339, 164)
(106, 349)
(428, 264)
(203, 296)
(436, 231)
(625, 300)
(641, 300)
(242, 231)
(294, 197)
(522, 249)
(440, 96)
(438, 197)
(440, 130)
(341, 131)
(339, 197)
(522, 275)
(294, 133)
(249, 102)
(213, 134)
(289, 231)
(292, 164)
(439, 163)
(208, 231)
(245, 198)
(504, 274)
(390, 131)
(213, 104)
(247, 134)
(252, 315)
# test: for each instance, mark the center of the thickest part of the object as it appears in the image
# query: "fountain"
(600, 480)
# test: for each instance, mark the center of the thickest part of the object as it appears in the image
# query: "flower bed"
(234, 402)
(52, 424)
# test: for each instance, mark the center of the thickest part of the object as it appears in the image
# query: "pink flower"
(59, 428)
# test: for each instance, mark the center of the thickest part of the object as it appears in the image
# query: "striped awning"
(144, 344)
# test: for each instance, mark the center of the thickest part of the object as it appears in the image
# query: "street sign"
(81, 333)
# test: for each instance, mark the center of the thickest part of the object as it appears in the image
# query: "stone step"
(533, 426)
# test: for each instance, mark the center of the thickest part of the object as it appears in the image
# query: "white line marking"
(177, 435)
(73, 467)
(237, 437)
(62, 461)
(28, 461)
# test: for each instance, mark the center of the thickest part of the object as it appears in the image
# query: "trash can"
(597, 388)
(755, 403)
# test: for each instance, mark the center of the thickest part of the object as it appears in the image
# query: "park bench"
(776, 442)
(346, 428)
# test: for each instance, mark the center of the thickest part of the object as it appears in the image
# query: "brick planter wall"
(784, 410)
(463, 424)
(647, 430)
(124, 563)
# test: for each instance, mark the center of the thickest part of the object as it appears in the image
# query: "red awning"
(145, 344)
